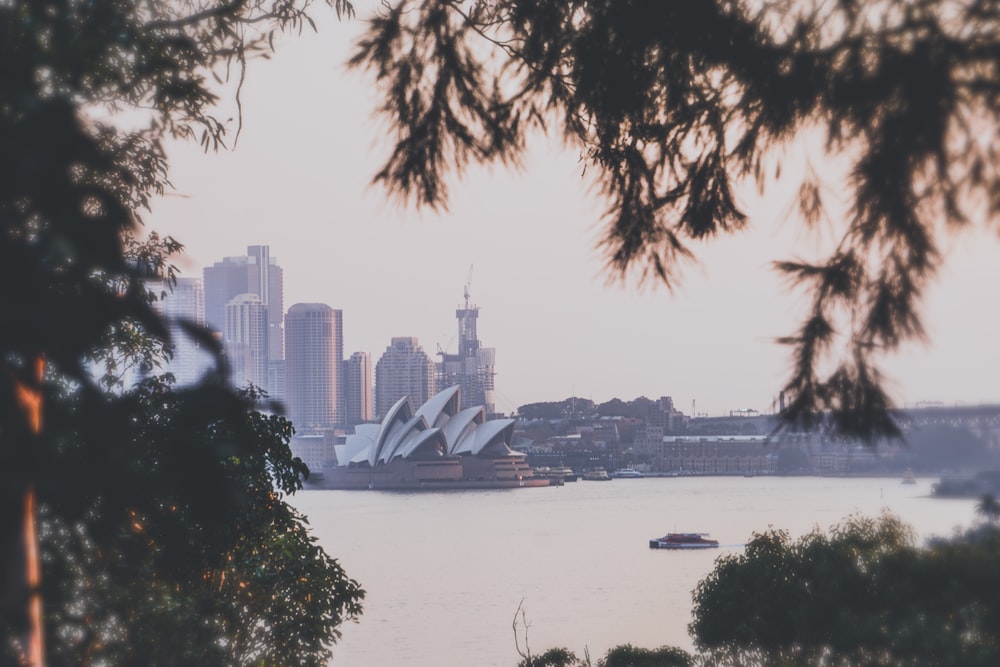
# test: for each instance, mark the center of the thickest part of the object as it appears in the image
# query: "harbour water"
(445, 572)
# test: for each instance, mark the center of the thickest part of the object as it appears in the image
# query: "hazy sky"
(298, 180)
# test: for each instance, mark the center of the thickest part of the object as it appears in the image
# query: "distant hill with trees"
(574, 407)
(570, 408)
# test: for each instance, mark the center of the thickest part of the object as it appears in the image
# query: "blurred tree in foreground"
(164, 585)
(861, 595)
(627, 655)
(164, 529)
(988, 508)
(672, 103)
(624, 655)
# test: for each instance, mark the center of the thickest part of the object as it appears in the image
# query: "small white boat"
(626, 473)
(597, 475)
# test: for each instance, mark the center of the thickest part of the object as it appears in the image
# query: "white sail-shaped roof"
(437, 428)
(356, 446)
(398, 415)
(360, 457)
(369, 430)
(425, 443)
(400, 437)
(439, 408)
(493, 433)
(462, 425)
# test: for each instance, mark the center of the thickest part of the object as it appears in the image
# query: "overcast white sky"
(299, 181)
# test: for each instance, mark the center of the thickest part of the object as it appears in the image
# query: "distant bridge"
(981, 420)
(967, 416)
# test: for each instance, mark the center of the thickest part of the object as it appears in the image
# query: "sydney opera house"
(438, 446)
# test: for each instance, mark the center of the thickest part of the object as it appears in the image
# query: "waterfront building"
(663, 415)
(837, 459)
(254, 273)
(404, 369)
(314, 349)
(474, 366)
(358, 389)
(245, 339)
(712, 455)
(316, 449)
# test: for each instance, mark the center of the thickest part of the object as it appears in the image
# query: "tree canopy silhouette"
(860, 593)
(673, 103)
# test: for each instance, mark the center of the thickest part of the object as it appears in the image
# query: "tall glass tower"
(358, 389)
(314, 347)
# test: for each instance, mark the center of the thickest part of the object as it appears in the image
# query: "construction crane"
(468, 286)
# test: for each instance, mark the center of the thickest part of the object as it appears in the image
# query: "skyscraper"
(276, 380)
(314, 347)
(245, 337)
(183, 301)
(404, 369)
(255, 273)
(358, 389)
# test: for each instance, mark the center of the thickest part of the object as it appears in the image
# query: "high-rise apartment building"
(358, 389)
(255, 273)
(185, 301)
(276, 380)
(314, 350)
(404, 369)
(245, 335)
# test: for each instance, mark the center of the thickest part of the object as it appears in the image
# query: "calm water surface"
(446, 571)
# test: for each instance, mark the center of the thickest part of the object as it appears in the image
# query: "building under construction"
(474, 366)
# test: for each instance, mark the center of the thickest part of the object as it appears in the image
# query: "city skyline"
(298, 181)
(245, 337)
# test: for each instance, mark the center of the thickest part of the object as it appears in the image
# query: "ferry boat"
(626, 473)
(545, 472)
(684, 541)
(908, 477)
(597, 475)
(563, 471)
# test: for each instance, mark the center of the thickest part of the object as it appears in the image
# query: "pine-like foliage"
(672, 103)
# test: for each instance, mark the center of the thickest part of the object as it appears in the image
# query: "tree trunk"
(20, 567)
